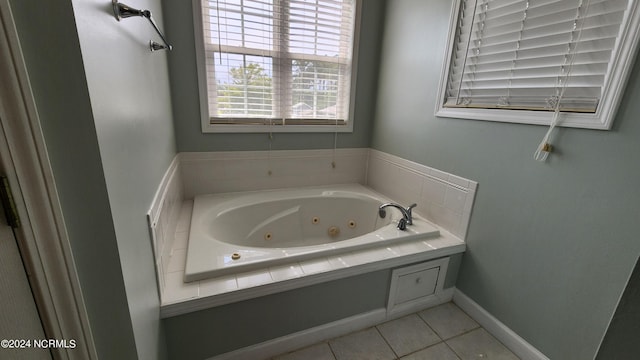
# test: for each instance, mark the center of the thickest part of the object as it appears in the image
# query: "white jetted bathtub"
(238, 232)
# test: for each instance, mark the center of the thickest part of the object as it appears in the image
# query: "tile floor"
(443, 332)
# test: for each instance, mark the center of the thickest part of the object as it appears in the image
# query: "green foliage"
(249, 93)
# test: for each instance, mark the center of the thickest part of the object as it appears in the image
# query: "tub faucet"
(407, 217)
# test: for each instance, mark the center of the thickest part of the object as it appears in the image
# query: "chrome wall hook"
(122, 11)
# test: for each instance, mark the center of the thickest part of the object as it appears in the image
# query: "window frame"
(259, 125)
(621, 65)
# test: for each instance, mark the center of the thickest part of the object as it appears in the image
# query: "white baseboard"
(500, 331)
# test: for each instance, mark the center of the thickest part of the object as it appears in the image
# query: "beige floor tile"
(448, 320)
(479, 344)
(413, 337)
(408, 334)
(436, 352)
(363, 345)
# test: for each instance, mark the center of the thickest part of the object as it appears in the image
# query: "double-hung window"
(275, 65)
(522, 60)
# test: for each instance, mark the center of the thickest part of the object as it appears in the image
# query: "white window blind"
(278, 62)
(527, 55)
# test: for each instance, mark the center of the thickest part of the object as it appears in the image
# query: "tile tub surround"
(163, 218)
(221, 172)
(445, 199)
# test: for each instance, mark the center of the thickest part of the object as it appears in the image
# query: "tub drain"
(268, 236)
(352, 224)
(333, 231)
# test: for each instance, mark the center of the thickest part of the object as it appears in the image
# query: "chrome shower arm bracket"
(121, 11)
(154, 45)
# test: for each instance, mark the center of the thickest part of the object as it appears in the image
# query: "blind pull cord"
(545, 148)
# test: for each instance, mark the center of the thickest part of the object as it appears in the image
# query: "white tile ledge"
(449, 245)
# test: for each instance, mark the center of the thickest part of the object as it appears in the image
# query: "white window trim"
(602, 119)
(207, 127)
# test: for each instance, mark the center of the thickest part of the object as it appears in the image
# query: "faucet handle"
(402, 224)
(409, 212)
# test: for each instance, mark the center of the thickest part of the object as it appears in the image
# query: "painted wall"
(186, 106)
(131, 104)
(550, 245)
(106, 113)
(49, 41)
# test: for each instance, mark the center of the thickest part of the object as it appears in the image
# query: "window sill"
(219, 128)
(601, 120)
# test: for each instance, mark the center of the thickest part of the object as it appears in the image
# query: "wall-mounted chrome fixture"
(121, 10)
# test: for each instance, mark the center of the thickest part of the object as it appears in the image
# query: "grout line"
(430, 346)
(453, 351)
(427, 323)
(441, 337)
(331, 349)
(464, 333)
(386, 341)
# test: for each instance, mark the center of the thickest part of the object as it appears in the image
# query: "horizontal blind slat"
(505, 50)
(546, 23)
(274, 38)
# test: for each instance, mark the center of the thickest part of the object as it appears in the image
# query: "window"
(275, 65)
(515, 60)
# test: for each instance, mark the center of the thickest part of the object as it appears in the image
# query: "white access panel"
(416, 284)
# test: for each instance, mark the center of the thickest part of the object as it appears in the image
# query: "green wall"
(49, 41)
(105, 108)
(550, 245)
(186, 105)
(131, 104)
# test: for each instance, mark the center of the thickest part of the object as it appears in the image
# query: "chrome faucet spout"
(407, 216)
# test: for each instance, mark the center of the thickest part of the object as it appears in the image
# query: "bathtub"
(239, 232)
